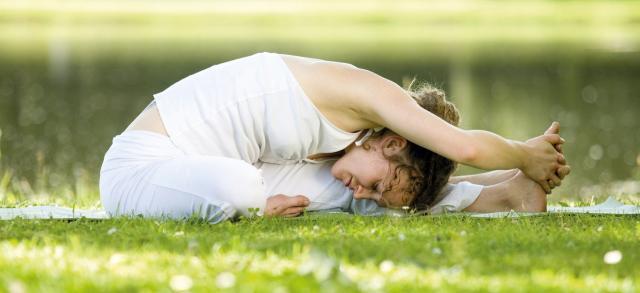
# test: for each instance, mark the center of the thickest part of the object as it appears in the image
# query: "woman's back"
(251, 109)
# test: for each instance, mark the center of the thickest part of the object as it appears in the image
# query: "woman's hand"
(563, 170)
(286, 206)
(545, 159)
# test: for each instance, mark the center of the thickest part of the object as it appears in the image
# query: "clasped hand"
(545, 162)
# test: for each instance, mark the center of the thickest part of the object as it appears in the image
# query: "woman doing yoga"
(193, 151)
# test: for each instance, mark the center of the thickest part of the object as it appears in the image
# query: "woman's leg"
(518, 193)
(486, 178)
(234, 185)
(144, 174)
(211, 188)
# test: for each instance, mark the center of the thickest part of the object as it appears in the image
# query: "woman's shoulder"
(315, 62)
(340, 90)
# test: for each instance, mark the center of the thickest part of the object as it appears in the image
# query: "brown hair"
(428, 172)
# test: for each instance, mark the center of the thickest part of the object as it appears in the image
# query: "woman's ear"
(393, 144)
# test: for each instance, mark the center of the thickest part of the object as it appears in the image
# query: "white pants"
(143, 173)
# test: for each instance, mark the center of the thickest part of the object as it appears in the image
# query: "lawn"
(333, 252)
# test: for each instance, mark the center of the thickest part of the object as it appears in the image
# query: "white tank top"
(251, 109)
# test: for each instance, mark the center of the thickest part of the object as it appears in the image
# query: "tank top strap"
(368, 134)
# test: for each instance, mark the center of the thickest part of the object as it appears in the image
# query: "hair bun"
(435, 101)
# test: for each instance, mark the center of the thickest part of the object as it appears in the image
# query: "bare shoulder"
(293, 60)
(312, 73)
(343, 92)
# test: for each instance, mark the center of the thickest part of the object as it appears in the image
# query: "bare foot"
(525, 195)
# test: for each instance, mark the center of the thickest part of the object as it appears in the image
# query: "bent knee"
(218, 179)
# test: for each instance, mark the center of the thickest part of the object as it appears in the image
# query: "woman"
(285, 109)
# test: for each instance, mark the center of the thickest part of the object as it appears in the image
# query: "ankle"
(505, 198)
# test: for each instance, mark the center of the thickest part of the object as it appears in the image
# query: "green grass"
(323, 253)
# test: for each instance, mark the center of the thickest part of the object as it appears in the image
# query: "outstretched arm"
(382, 102)
(498, 176)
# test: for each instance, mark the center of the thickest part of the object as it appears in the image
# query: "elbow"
(468, 155)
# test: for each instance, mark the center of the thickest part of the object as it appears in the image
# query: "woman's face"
(370, 175)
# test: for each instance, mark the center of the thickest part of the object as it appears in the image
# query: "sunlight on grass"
(339, 252)
(81, 267)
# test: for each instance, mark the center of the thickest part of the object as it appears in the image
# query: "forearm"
(490, 151)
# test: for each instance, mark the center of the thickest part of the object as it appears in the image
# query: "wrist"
(522, 154)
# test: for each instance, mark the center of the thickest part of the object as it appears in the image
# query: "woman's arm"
(286, 206)
(381, 102)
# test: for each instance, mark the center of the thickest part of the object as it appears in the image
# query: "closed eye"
(376, 187)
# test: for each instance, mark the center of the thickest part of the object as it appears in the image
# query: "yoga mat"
(611, 207)
(50, 212)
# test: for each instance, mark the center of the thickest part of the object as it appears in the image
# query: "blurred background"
(73, 74)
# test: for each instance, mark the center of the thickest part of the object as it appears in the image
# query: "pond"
(60, 105)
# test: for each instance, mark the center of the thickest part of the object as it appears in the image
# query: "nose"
(362, 193)
(358, 196)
